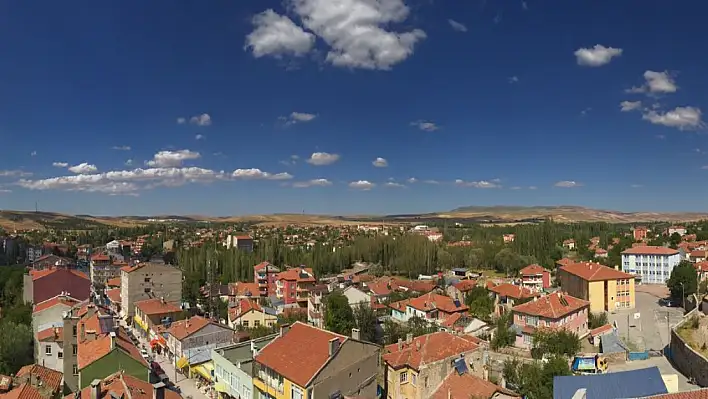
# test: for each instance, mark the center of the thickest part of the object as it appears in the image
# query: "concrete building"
(264, 275)
(640, 233)
(416, 367)
(47, 329)
(605, 288)
(315, 305)
(41, 285)
(556, 310)
(151, 313)
(651, 264)
(102, 268)
(293, 285)
(240, 242)
(356, 297)
(233, 367)
(306, 362)
(190, 341)
(431, 307)
(149, 281)
(248, 314)
(535, 277)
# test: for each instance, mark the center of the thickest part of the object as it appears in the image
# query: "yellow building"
(248, 313)
(606, 289)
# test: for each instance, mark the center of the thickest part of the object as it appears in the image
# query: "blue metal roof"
(620, 385)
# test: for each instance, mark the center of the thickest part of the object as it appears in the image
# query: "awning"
(221, 387)
(140, 322)
(182, 362)
(201, 370)
(158, 341)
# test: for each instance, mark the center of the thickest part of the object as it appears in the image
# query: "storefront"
(142, 326)
(158, 344)
(203, 373)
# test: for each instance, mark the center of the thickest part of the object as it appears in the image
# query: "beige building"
(149, 281)
(248, 314)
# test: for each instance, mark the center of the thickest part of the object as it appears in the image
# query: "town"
(391, 310)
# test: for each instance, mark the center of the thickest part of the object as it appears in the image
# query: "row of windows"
(48, 352)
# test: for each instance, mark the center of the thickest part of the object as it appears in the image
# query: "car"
(145, 354)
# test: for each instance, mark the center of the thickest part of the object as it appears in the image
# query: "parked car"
(145, 355)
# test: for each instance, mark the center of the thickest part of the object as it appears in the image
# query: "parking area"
(649, 330)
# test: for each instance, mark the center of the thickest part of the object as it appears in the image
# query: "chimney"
(83, 331)
(158, 390)
(417, 345)
(96, 389)
(333, 346)
(617, 267)
(409, 338)
(400, 344)
(284, 329)
(113, 340)
(356, 334)
(162, 299)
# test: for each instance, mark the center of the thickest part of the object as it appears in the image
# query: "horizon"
(265, 108)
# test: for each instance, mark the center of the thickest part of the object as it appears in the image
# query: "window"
(218, 370)
(246, 391)
(414, 379)
(147, 279)
(48, 350)
(73, 349)
(75, 370)
(527, 339)
(234, 381)
(532, 320)
(147, 290)
(257, 323)
(244, 323)
(404, 377)
(73, 330)
(296, 393)
(60, 355)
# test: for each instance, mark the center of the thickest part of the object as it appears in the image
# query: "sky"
(129, 107)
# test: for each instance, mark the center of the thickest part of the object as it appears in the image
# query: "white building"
(356, 297)
(652, 264)
(677, 229)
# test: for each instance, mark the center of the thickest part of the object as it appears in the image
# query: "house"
(240, 242)
(464, 385)
(241, 290)
(556, 310)
(460, 289)
(601, 253)
(123, 385)
(652, 264)
(640, 233)
(356, 297)
(680, 230)
(697, 256)
(605, 288)
(113, 246)
(100, 353)
(40, 285)
(293, 285)
(459, 272)
(32, 382)
(464, 323)
(51, 261)
(149, 281)
(535, 277)
(153, 313)
(569, 244)
(113, 300)
(507, 295)
(315, 305)
(307, 362)
(190, 341)
(702, 270)
(233, 367)
(416, 367)
(264, 275)
(47, 325)
(508, 238)
(248, 314)
(641, 383)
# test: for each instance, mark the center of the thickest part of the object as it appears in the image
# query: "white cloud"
(585, 111)
(431, 182)
(393, 184)
(380, 162)
(313, 183)
(412, 180)
(322, 158)
(425, 126)
(14, 173)
(83, 168)
(354, 30)
(513, 79)
(129, 162)
(33, 153)
(277, 35)
(457, 25)
(201, 120)
(5, 191)
(478, 184)
(630, 105)
(200, 137)
(257, 174)
(682, 118)
(181, 121)
(656, 82)
(362, 185)
(596, 56)
(297, 117)
(567, 184)
(121, 147)
(60, 164)
(167, 159)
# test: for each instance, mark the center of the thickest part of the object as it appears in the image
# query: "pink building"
(557, 310)
(640, 233)
(535, 277)
(294, 285)
(264, 274)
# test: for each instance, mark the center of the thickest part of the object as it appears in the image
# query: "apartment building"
(306, 362)
(248, 313)
(651, 264)
(233, 367)
(315, 305)
(431, 307)
(240, 242)
(102, 268)
(264, 274)
(640, 233)
(535, 277)
(507, 295)
(47, 326)
(153, 313)
(190, 341)
(605, 288)
(416, 367)
(149, 281)
(41, 285)
(293, 285)
(557, 310)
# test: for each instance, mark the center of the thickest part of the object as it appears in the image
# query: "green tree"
(339, 317)
(366, 322)
(596, 320)
(554, 342)
(480, 303)
(16, 346)
(504, 335)
(683, 280)
(534, 380)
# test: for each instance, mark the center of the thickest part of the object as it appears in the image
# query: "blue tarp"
(620, 385)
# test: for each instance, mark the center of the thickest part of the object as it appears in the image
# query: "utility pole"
(628, 329)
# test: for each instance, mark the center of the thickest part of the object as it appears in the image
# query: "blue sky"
(247, 107)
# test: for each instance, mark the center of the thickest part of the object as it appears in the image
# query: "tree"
(339, 317)
(366, 322)
(534, 380)
(554, 342)
(596, 320)
(16, 347)
(503, 336)
(683, 280)
(480, 303)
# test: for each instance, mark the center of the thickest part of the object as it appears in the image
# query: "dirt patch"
(657, 290)
(695, 333)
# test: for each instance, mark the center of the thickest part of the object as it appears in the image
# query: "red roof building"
(556, 310)
(45, 284)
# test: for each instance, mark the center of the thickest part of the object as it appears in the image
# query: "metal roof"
(620, 385)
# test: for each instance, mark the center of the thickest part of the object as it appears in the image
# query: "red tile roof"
(294, 275)
(37, 274)
(49, 377)
(564, 261)
(590, 271)
(244, 289)
(600, 330)
(300, 353)
(244, 306)
(184, 328)
(466, 386)
(650, 250)
(701, 266)
(157, 306)
(24, 391)
(428, 348)
(465, 285)
(124, 385)
(57, 300)
(513, 291)
(90, 351)
(379, 288)
(694, 394)
(113, 282)
(551, 306)
(52, 334)
(113, 295)
(400, 305)
(100, 257)
(450, 321)
(432, 301)
(532, 270)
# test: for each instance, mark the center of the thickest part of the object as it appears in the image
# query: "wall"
(689, 362)
(165, 281)
(27, 292)
(597, 296)
(50, 361)
(252, 316)
(109, 364)
(70, 380)
(352, 371)
(229, 373)
(59, 281)
(48, 316)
